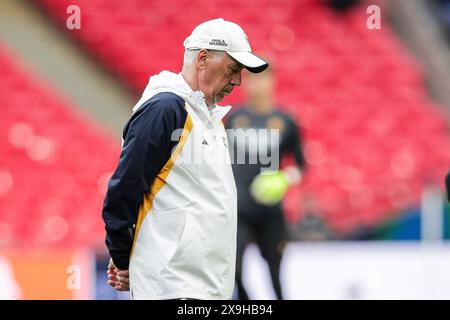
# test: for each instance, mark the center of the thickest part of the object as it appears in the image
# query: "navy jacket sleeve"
(146, 148)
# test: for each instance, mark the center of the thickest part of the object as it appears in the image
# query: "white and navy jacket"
(170, 208)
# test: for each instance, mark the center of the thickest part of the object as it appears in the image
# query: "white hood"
(167, 81)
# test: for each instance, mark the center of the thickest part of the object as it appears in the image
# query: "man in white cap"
(170, 209)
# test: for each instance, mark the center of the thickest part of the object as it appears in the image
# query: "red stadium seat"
(53, 159)
(357, 91)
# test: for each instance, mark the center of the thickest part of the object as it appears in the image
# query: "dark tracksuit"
(260, 223)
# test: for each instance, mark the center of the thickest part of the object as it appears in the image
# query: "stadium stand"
(54, 165)
(373, 138)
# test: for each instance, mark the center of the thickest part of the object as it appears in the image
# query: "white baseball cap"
(222, 35)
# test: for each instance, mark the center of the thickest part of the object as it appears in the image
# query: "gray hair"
(189, 55)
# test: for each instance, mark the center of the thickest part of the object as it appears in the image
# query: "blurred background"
(368, 221)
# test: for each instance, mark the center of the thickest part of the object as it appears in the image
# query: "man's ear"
(201, 58)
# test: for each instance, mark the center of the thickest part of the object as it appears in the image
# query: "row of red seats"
(54, 165)
(372, 138)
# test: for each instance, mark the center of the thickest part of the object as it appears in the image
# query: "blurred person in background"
(260, 213)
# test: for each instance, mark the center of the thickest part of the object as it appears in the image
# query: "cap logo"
(218, 42)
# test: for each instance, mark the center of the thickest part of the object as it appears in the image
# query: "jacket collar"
(167, 81)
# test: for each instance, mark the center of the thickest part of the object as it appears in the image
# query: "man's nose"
(236, 80)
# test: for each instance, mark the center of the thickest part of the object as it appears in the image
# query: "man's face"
(218, 76)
